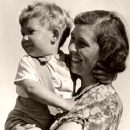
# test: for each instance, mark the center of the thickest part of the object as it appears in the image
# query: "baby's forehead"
(31, 22)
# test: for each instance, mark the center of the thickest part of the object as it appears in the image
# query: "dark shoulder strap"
(44, 74)
(67, 60)
(74, 77)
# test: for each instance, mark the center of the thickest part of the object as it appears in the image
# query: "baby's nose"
(25, 38)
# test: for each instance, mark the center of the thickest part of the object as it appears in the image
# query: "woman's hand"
(102, 75)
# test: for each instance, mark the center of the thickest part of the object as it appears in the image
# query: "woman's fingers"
(18, 127)
(28, 126)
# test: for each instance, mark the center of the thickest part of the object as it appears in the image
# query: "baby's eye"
(23, 34)
(31, 31)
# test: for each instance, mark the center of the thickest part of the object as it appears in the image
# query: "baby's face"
(36, 39)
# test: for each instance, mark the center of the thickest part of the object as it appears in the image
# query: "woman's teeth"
(76, 59)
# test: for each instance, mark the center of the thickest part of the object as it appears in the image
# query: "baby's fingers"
(101, 66)
(105, 82)
(101, 77)
(100, 72)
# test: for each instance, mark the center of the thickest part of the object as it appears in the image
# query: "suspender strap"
(74, 77)
(43, 74)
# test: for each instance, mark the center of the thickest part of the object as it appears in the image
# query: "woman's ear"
(56, 35)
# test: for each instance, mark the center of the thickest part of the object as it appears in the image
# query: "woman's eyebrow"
(83, 40)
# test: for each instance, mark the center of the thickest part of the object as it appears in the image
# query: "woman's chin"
(75, 67)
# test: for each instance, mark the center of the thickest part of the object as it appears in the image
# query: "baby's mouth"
(27, 45)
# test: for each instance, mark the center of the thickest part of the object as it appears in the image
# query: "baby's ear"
(56, 35)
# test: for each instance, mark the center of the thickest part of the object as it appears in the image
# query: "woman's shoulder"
(97, 88)
(98, 92)
(103, 92)
(103, 97)
(104, 89)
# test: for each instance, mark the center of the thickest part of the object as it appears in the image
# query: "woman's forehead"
(84, 31)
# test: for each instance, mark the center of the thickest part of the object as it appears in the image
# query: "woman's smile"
(75, 59)
(83, 50)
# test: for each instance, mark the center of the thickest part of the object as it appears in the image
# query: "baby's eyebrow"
(72, 34)
(21, 30)
(29, 28)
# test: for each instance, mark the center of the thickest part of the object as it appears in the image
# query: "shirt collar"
(45, 59)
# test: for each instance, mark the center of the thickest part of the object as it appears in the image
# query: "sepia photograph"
(65, 64)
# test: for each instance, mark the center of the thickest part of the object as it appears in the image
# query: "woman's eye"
(82, 44)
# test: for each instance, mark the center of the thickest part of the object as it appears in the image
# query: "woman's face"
(83, 50)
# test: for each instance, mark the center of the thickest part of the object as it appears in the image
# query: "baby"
(43, 77)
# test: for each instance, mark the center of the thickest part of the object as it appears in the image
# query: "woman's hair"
(48, 13)
(110, 35)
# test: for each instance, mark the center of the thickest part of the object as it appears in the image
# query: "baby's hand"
(102, 75)
(71, 104)
(26, 127)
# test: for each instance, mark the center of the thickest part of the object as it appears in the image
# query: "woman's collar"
(87, 88)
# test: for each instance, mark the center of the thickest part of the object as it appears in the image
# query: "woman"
(98, 36)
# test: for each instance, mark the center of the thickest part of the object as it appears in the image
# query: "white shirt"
(61, 77)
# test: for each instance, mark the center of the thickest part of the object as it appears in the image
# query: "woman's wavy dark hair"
(110, 35)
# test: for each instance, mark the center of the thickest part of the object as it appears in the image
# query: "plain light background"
(11, 50)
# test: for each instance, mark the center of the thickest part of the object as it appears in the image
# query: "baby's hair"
(48, 13)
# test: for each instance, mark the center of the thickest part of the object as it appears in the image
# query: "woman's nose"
(72, 47)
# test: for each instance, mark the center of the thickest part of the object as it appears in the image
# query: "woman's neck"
(87, 81)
